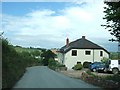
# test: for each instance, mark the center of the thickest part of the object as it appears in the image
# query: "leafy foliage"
(52, 64)
(55, 65)
(115, 77)
(14, 64)
(104, 60)
(46, 55)
(86, 64)
(78, 66)
(112, 16)
(114, 55)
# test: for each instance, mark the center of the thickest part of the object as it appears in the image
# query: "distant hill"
(30, 49)
(21, 49)
(114, 55)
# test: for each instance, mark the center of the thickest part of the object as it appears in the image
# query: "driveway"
(43, 77)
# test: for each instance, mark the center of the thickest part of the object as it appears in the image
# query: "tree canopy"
(112, 17)
(46, 55)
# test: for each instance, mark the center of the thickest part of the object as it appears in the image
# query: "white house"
(81, 50)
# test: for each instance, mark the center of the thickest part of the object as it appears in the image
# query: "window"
(74, 52)
(119, 61)
(87, 52)
(78, 62)
(101, 53)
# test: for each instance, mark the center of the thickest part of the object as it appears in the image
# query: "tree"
(104, 60)
(112, 16)
(46, 55)
(36, 53)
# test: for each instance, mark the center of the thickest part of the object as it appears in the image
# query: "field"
(114, 55)
(23, 49)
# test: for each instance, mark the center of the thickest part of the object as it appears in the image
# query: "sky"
(48, 24)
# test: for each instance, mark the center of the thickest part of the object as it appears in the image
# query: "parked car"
(93, 66)
(98, 66)
(101, 68)
(114, 66)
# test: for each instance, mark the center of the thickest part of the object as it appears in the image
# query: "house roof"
(54, 51)
(81, 44)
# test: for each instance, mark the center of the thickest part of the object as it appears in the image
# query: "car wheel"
(115, 71)
(94, 70)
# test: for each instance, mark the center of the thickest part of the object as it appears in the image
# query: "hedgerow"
(14, 64)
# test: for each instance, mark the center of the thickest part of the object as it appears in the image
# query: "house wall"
(70, 60)
(60, 57)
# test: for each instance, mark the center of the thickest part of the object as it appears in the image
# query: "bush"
(114, 78)
(14, 64)
(55, 65)
(52, 64)
(86, 64)
(104, 60)
(61, 65)
(78, 66)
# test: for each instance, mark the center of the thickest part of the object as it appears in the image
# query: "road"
(43, 77)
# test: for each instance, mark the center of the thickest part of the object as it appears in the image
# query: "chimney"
(67, 42)
(83, 37)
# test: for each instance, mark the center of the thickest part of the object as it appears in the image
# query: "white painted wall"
(60, 57)
(70, 60)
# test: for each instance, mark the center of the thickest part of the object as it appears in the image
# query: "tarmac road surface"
(43, 77)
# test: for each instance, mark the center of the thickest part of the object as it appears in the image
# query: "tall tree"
(112, 16)
(47, 55)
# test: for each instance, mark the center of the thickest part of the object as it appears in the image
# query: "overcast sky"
(48, 24)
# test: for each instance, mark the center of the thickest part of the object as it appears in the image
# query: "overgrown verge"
(14, 64)
(55, 65)
(78, 66)
(104, 82)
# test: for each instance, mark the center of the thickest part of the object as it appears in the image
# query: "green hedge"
(14, 64)
(55, 65)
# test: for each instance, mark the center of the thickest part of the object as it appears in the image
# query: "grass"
(115, 78)
(21, 49)
(114, 55)
(102, 81)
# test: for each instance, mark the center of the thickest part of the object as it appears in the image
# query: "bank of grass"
(14, 64)
(115, 78)
(102, 81)
(55, 65)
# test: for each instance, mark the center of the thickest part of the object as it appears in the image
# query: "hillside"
(23, 49)
(114, 55)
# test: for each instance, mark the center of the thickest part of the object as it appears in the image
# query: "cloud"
(48, 28)
(78, 13)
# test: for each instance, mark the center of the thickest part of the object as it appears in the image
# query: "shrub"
(78, 66)
(55, 65)
(114, 78)
(61, 65)
(86, 64)
(104, 60)
(52, 63)
(90, 73)
(14, 64)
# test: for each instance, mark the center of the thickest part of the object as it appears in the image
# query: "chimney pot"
(67, 42)
(83, 37)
